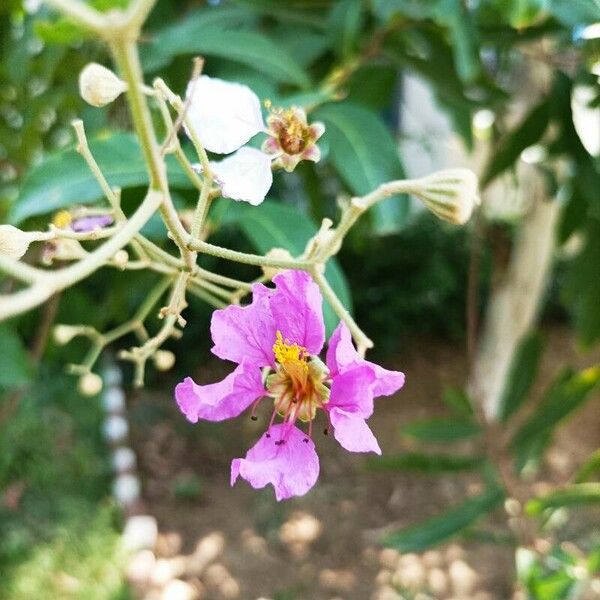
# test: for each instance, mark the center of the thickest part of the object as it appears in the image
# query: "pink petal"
(246, 332)
(291, 467)
(316, 130)
(222, 400)
(297, 309)
(352, 432)
(342, 356)
(352, 391)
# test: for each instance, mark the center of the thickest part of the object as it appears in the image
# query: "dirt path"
(239, 543)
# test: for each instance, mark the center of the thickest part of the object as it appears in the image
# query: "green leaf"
(415, 9)
(458, 401)
(566, 394)
(590, 468)
(454, 14)
(63, 178)
(521, 375)
(441, 429)
(250, 48)
(508, 150)
(15, 365)
(275, 225)
(575, 12)
(365, 155)
(573, 495)
(449, 523)
(582, 290)
(427, 463)
(345, 21)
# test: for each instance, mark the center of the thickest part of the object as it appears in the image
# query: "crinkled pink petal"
(352, 432)
(246, 332)
(352, 391)
(291, 467)
(342, 355)
(222, 400)
(297, 309)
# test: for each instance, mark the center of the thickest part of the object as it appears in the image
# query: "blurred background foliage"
(403, 272)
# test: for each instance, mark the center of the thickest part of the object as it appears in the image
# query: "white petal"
(585, 118)
(245, 175)
(225, 115)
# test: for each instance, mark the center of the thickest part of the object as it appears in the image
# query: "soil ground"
(239, 543)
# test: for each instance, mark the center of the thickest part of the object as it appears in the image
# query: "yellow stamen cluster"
(287, 354)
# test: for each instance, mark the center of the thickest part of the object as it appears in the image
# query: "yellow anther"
(287, 354)
(62, 219)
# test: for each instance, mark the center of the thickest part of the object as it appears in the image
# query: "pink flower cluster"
(275, 342)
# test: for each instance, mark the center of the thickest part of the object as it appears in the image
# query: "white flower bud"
(120, 259)
(89, 384)
(123, 459)
(163, 360)
(450, 194)
(99, 86)
(63, 334)
(278, 254)
(14, 242)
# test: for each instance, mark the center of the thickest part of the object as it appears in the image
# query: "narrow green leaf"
(521, 375)
(345, 21)
(365, 155)
(63, 178)
(589, 469)
(508, 150)
(15, 365)
(445, 525)
(249, 48)
(427, 463)
(574, 495)
(441, 429)
(566, 394)
(275, 225)
(458, 401)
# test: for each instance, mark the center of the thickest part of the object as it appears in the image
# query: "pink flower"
(275, 342)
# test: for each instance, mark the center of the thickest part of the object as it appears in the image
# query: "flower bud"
(278, 254)
(89, 384)
(450, 194)
(120, 259)
(163, 360)
(63, 334)
(99, 86)
(14, 242)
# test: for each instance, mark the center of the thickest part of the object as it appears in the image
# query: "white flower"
(450, 194)
(225, 116)
(99, 86)
(245, 175)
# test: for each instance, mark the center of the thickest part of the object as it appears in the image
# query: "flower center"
(293, 134)
(298, 383)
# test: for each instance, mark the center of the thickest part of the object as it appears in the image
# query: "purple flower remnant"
(275, 342)
(91, 223)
